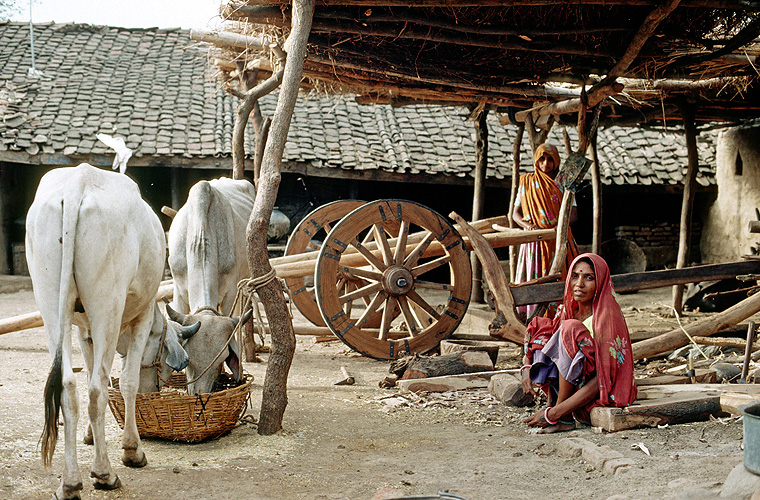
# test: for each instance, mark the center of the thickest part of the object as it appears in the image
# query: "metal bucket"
(751, 422)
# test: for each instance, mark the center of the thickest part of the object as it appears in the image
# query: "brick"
(572, 447)
(596, 456)
(615, 466)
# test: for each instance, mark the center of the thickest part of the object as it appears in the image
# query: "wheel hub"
(397, 280)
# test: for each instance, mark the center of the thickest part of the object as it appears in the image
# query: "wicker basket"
(176, 416)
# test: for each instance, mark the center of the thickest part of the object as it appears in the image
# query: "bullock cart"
(389, 277)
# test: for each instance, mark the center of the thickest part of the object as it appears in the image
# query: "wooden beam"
(704, 327)
(572, 105)
(479, 195)
(228, 39)
(549, 292)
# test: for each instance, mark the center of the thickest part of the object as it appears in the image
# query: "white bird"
(123, 153)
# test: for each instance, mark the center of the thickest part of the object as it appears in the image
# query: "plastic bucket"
(751, 422)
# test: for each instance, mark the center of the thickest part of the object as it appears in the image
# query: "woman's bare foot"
(558, 427)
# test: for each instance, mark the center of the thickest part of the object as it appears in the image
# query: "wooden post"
(517, 147)
(478, 196)
(596, 190)
(274, 396)
(684, 235)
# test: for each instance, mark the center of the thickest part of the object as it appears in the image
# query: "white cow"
(96, 252)
(207, 245)
(207, 256)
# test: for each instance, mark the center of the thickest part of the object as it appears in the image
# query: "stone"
(740, 484)
(598, 455)
(572, 447)
(726, 372)
(616, 466)
(507, 388)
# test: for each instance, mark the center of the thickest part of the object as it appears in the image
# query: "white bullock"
(96, 252)
(207, 245)
(207, 256)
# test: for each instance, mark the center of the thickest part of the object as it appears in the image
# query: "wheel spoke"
(311, 246)
(382, 242)
(411, 322)
(432, 286)
(385, 322)
(362, 273)
(369, 256)
(360, 292)
(327, 227)
(429, 266)
(341, 285)
(422, 303)
(415, 255)
(371, 308)
(403, 233)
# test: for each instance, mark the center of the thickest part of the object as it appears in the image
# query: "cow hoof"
(68, 492)
(110, 485)
(129, 461)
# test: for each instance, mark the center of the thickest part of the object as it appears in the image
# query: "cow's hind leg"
(85, 342)
(71, 482)
(132, 452)
(105, 332)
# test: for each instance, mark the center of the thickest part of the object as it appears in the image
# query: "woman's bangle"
(546, 416)
(523, 368)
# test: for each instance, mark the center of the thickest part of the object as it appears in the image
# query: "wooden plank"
(675, 409)
(548, 292)
(731, 401)
(451, 382)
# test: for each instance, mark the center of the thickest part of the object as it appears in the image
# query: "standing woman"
(583, 357)
(537, 207)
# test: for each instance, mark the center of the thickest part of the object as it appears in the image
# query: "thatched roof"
(513, 55)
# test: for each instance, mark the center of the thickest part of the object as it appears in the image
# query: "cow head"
(159, 360)
(207, 350)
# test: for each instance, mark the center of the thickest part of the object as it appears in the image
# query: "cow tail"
(54, 385)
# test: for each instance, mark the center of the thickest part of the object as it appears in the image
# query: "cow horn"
(175, 316)
(186, 332)
(246, 316)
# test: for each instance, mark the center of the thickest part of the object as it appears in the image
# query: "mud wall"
(725, 234)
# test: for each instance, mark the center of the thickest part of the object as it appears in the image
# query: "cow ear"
(233, 359)
(176, 356)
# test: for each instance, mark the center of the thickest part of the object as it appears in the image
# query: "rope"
(248, 297)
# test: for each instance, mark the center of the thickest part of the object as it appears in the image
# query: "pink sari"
(564, 346)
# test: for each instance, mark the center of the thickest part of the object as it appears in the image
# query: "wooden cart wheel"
(428, 281)
(307, 236)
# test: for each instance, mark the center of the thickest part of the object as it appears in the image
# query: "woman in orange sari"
(583, 357)
(537, 207)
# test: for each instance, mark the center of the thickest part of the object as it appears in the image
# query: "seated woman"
(582, 358)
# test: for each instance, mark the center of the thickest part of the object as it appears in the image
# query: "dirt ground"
(348, 442)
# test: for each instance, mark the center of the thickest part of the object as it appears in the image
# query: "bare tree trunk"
(684, 237)
(513, 249)
(274, 399)
(478, 197)
(596, 189)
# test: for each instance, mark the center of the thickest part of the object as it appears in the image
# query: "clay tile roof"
(151, 87)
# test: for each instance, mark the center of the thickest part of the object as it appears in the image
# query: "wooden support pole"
(513, 193)
(687, 203)
(596, 190)
(274, 398)
(705, 327)
(478, 196)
